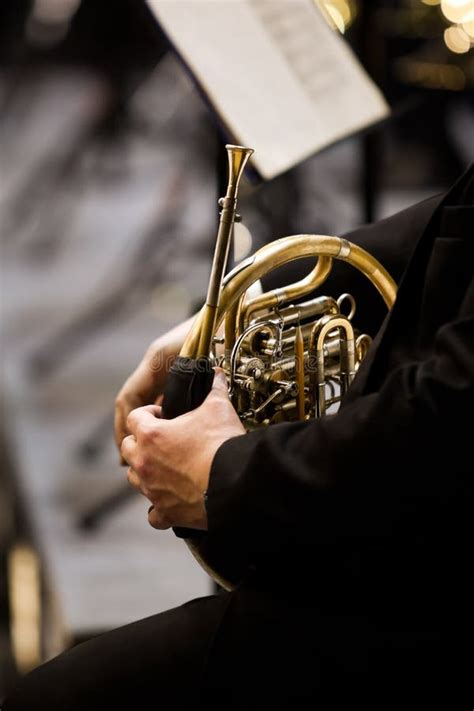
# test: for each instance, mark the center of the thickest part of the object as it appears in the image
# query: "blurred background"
(109, 180)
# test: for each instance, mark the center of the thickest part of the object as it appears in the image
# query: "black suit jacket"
(358, 527)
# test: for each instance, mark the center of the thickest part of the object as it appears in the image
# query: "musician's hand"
(145, 385)
(170, 460)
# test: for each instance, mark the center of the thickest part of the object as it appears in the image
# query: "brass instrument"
(284, 361)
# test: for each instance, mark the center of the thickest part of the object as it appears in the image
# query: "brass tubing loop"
(276, 254)
(319, 334)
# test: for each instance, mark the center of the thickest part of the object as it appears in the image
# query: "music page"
(281, 80)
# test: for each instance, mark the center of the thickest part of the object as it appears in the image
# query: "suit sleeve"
(399, 452)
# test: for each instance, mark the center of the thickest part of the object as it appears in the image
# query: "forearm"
(357, 474)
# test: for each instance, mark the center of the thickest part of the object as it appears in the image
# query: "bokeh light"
(458, 10)
(457, 40)
(339, 13)
(469, 28)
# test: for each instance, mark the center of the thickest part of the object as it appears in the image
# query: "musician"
(357, 527)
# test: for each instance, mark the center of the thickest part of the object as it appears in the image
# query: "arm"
(146, 383)
(162, 451)
(386, 458)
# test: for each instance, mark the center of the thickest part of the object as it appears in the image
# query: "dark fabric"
(347, 475)
(357, 527)
(189, 382)
(377, 501)
(156, 663)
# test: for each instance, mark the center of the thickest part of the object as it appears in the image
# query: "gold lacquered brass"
(278, 253)
(285, 360)
(237, 157)
(319, 334)
(299, 372)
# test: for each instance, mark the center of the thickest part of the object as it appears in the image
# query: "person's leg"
(160, 658)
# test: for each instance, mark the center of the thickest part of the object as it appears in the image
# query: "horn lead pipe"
(238, 157)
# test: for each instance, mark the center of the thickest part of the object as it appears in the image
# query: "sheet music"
(279, 77)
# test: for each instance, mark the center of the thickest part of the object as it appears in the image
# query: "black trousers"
(157, 661)
(226, 651)
(244, 650)
(251, 650)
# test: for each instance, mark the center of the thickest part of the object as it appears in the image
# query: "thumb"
(219, 385)
(155, 410)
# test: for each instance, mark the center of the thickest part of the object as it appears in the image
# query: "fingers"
(220, 382)
(155, 410)
(157, 520)
(119, 423)
(220, 389)
(146, 416)
(123, 408)
(120, 430)
(128, 449)
(143, 417)
(143, 386)
(123, 405)
(219, 406)
(134, 479)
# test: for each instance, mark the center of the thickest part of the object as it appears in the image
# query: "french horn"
(288, 354)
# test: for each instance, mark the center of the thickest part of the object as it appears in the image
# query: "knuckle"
(142, 466)
(125, 450)
(146, 435)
